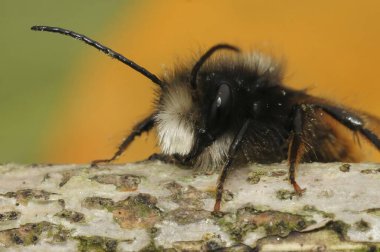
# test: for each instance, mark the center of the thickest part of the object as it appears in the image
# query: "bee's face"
(188, 121)
(190, 117)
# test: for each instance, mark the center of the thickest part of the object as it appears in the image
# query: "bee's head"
(203, 106)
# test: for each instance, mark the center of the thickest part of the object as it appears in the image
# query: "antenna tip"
(37, 28)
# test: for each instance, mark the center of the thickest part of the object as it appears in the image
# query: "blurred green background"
(32, 85)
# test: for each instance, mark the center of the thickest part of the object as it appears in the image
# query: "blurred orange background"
(331, 47)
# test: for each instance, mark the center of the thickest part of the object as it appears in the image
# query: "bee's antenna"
(198, 65)
(102, 48)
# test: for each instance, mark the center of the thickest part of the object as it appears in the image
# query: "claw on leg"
(218, 198)
(216, 206)
(298, 190)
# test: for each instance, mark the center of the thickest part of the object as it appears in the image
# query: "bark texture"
(151, 206)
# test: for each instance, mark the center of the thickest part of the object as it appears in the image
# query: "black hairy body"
(261, 97)
(232, 108)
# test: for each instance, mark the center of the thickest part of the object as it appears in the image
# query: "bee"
(231, 108)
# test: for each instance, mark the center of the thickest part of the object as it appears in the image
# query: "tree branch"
(152, 206)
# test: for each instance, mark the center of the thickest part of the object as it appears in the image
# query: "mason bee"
(230, 108)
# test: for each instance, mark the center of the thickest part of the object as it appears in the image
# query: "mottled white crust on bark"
(158, 206)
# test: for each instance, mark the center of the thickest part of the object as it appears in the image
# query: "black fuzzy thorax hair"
(258, 94)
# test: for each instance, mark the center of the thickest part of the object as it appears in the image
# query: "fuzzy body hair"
(178, 113)
(253, 77)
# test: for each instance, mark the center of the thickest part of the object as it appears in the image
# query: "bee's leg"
(231, 154)
(296, 148)
(143, 126)
(353, 121)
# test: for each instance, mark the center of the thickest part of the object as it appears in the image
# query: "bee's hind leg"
(354, 121)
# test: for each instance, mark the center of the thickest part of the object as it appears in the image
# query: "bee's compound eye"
(218, 101)
(223, 96)
(257, 107)
(220, 107)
